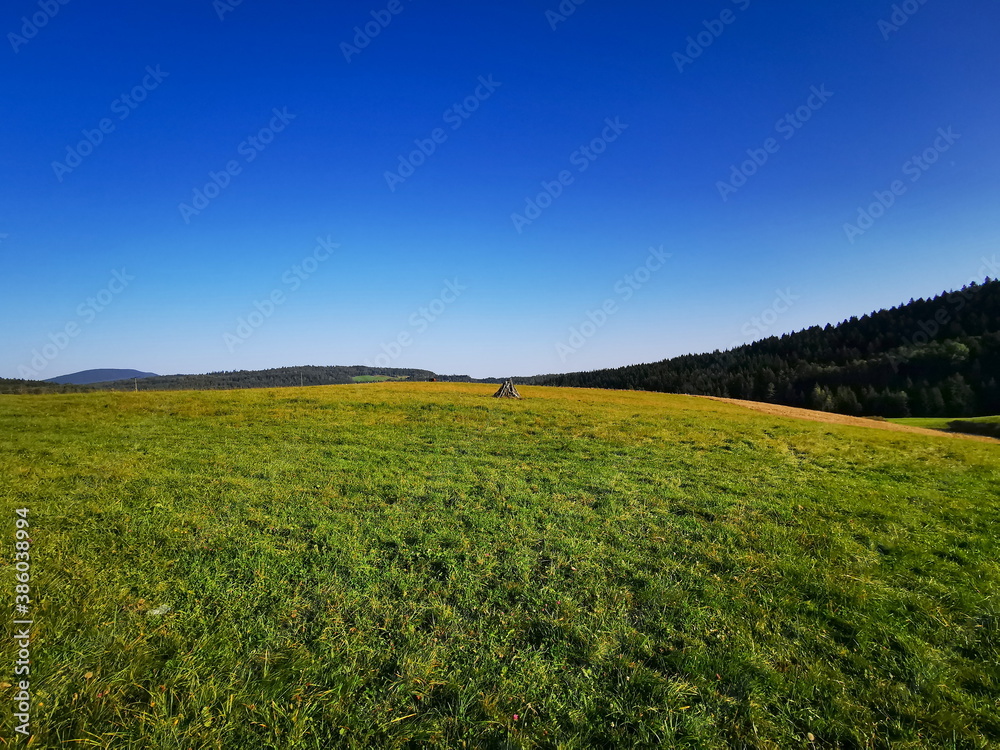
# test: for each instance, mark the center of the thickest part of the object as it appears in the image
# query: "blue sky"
(478, 188)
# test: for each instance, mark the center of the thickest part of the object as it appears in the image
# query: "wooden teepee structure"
(507, 390)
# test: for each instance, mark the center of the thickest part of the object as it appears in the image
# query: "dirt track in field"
(830, 418)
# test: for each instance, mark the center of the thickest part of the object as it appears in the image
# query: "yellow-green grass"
(989, 426)
(941, 423)
(408, 565)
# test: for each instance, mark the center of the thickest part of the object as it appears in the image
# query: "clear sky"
(192, 186)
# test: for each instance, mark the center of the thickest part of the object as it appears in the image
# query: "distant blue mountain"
(99, 376)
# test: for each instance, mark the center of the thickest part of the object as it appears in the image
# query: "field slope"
(410, 565)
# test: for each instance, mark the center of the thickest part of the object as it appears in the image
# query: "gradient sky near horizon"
(697, 89)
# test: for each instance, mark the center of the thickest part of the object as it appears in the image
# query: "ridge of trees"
(937, 357)
(279, 377)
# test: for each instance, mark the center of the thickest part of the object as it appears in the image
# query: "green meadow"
(419, 565)
(989, 426)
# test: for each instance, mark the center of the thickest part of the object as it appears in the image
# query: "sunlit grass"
(941, 423)
(415, 565)
(988, 426)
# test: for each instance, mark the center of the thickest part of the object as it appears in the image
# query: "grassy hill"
(420, 565)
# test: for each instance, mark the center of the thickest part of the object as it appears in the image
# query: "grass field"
(989, 426)
(941, 423)
(409, 565)
(377, 378)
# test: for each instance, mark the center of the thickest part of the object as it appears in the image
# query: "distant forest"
(283, 377)
(935, 357)
(8, 385)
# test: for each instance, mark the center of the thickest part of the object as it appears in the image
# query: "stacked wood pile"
(507, 390)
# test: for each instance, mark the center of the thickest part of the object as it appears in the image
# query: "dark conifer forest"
(936, 357)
